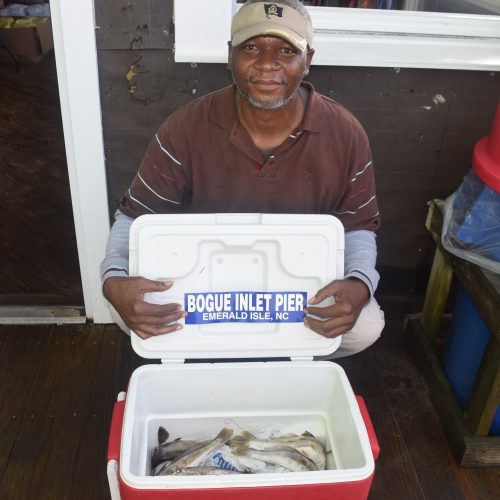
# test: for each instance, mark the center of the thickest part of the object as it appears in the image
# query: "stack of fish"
(242, 453)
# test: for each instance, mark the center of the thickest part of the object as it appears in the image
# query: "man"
(268, 143)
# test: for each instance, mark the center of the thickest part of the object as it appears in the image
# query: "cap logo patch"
(273, 10)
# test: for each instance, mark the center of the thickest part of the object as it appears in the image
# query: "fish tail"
(243, 437)
(225, 434)
(163, 435)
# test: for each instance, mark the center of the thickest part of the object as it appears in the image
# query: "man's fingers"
(169, 318)
(148, 331)
(336, 310)
(157, 310)
(333, 320)
(141, 334)
(328, 291)
(321, 312)
(160, 318)
(157, 285)
(330, 328)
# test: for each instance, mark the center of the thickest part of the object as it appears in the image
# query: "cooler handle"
(115, 432)
(372, 437)
(114, 484)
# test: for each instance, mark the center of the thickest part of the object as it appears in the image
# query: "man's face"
(267, 70)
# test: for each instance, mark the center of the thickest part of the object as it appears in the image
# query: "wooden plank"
(436, 295)
(41, 464)
(439, 388)
(484, 292)
(486, 482)
(485, 396)
(40, 299)
(418, 421)
(116, 362)
(395, 475)
(481, 451)
(37, 315)
(479, 285)
(468, 449)
(21, 354)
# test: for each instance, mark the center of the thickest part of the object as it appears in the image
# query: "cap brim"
(269, 29)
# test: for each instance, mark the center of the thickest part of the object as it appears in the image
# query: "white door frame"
(76, 60)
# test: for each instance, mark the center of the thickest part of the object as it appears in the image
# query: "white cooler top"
(243, 278)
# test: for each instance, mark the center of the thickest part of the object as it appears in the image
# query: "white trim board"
(355, 37)
(41, 315)
(76, 61)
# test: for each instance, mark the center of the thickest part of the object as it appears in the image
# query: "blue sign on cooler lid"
(244, 280)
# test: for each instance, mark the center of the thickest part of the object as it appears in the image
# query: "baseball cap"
(263, 18)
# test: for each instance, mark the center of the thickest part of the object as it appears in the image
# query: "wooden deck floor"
(58, 385)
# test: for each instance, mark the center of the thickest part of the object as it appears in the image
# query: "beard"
(266, 106)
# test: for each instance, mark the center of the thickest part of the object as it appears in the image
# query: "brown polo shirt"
(202, 160)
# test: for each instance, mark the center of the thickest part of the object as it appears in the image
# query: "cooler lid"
(244, 280)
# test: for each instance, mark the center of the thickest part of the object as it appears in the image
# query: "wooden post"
(467, 430)
(485, 396)
(436, 295)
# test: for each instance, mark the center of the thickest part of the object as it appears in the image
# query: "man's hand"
(350, 297)
(146, 320)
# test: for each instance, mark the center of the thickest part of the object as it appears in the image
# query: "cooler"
(244, 280)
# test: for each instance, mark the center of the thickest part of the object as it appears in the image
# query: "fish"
(200, 471)
(159, 467)
(243, 453)
(283, 456)
(197, 455)
(306, 444)
(173, 449)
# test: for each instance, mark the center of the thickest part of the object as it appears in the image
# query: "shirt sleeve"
(360, 258)
(161, 184)
(115, 261)
(358, 208)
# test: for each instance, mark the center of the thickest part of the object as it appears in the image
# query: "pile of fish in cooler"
(241, 453)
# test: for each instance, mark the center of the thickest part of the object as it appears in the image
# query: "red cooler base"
(355, 490)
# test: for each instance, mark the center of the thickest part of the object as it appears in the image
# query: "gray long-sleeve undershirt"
(359, 259)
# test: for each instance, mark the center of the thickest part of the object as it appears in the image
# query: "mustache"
(253, 79)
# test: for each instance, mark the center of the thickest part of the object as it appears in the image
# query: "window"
(358, 37)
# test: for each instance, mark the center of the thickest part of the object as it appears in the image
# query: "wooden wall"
(422, 124)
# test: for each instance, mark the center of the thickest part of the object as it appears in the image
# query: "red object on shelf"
(486, 156)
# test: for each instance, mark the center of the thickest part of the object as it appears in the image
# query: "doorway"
(40, 275)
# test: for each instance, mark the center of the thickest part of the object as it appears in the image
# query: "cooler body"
(355, 490)
(195, 401)
(244, 280)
